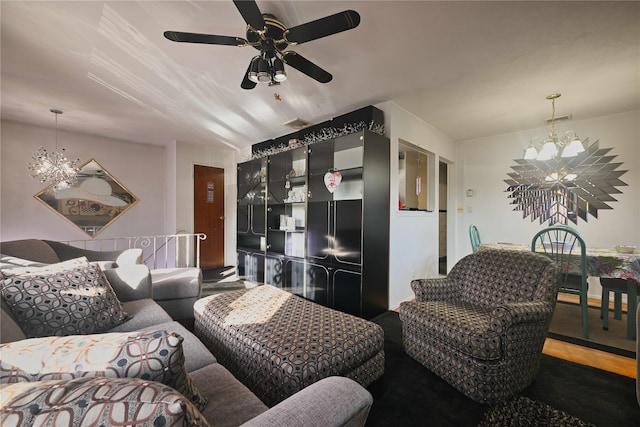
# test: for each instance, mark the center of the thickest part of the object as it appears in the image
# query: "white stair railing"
(162, 251)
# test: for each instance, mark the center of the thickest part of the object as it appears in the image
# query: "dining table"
(602, 263)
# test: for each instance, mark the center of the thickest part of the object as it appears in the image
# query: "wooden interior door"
(208, 208)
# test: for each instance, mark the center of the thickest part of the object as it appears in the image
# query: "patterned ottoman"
(277, 343)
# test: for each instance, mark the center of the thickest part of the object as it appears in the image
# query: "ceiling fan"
(271, 37)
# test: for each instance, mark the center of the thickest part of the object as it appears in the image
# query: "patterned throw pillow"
(69, 298)
(155, 356)
(96, 401)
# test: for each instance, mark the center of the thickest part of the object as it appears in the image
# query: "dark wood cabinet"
(326, 212)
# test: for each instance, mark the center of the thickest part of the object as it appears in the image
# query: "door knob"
(221, 217)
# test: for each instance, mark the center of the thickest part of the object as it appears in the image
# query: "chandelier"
(53, 167)
(567, 146)
(565, 180)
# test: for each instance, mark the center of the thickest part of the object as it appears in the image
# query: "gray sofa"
(174, 289)
(333, 401)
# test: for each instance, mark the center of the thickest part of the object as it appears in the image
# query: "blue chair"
(474, 235)
(563, 245)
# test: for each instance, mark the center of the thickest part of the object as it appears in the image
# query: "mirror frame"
(90, 212)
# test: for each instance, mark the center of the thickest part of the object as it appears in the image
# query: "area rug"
(212, 275)
(408, 394)
(567, 326)
(524, 412)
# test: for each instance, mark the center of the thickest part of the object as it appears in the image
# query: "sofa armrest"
(438, 289)
(129, 257)
(131, 282)
(330, 402)
(507, 315)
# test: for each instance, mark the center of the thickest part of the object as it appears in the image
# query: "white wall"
(414, 235)
(188, 155)
(483, 165)
(161, 177)
(140, 168)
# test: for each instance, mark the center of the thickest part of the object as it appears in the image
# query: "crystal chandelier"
(53, 167)
(567, 146)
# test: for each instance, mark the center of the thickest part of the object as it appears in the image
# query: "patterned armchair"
(482, 328)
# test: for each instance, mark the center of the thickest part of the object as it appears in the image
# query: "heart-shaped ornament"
(332, 180)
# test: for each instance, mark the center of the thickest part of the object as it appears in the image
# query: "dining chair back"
(567, 249)
(474, 236)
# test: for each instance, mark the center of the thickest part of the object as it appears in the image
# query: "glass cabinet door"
(286, 203)
(252, 182)
(252, 186)
(320, 164)
(317, 286)
(288, 176)
(274, 271)
(335, 169)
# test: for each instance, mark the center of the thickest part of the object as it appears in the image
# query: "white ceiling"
(470, 69)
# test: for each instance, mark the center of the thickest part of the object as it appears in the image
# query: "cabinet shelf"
(296, 180)
(297, 230)
(347, 174)
(281, 204)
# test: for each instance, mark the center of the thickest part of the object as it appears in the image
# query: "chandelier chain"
(553, 116)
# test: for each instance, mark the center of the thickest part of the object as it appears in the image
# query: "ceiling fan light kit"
(279, 74)
(264, 73)
(271, 37)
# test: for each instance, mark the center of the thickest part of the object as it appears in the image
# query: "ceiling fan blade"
(307, 67)
(177, 36)
(323, 27)
(246, 83)
(250, 13)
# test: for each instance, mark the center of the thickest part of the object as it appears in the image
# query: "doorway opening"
(443, 171)
(415, 178)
